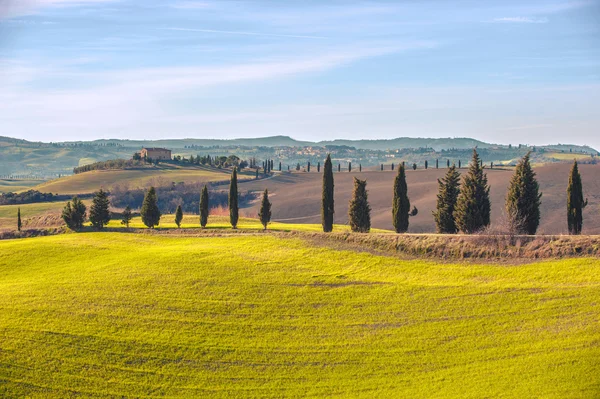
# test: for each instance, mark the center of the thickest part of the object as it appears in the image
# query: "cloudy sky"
(502, 71)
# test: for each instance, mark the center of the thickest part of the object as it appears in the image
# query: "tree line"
(462, 206)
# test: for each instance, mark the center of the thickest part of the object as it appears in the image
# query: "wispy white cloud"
(522, 20)
(229, 32)
(14, 8)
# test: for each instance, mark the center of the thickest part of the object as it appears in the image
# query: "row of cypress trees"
(465, 208)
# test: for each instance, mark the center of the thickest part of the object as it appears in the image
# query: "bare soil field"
(296, 197)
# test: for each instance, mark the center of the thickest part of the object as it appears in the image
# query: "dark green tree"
(327, 208)
(74, 213)
(204, 206)
(339, 167)
(401, 204)
(472, 212)
(264, 214)
(414, 166)
(426, 164)
(126, 216)
(99, 211)
(308, 167)
(178, 216)
(318, 167)
(523, 199)
(447, 163)
(19, 224)
(575, 201)
(349, 166)
(392, 166)
(359, 211)
(150, 212)
(437, 163)
(234, 211)
(449, 188)
(360, 167)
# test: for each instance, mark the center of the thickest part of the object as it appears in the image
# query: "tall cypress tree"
(19, 224)
(472, 212)
(178, 216)
(233, 200)
(264, 214)
(99, 211)
(318, 167)
(327, 207)
(349, 166)
(150, 212)
(204, 206)
(308, 167)
(359, 211)
(280, 166)
(523, 199)
(401, 204)
(449, 188)
(575, 201)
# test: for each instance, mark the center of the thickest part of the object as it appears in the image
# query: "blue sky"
(501, 71)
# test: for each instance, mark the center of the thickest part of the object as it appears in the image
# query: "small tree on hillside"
(426, 164)
(449, 188)
(339, 167)
(308, 167)
(150, 212)
(280, 166)
(359, 211)
(414, 166)
(401, 204)
(349, 166)
(264, 214)
(19, 224)
(472, 213)
(126, 216)
(74, 213)
(204, 206)
(327, 206)
(99, 211)
(234, 211)
(178, 216)
(575, 201)
(318, 167)
(523, 199)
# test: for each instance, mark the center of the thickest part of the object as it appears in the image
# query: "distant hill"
(48, 160)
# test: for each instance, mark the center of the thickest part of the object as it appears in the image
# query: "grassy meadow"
(114, 314)
(163, 174)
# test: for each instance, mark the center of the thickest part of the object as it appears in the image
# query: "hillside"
(161, 175)
(133, 315)
(48, 160)
(297, 197)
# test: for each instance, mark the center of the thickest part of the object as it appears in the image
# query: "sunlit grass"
(133, 315)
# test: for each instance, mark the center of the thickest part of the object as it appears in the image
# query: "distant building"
(160, 154)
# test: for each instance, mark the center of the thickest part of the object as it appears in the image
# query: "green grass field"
(567, 156)
(8, 213)
(90, 182)
(8, 185)
(133, 315)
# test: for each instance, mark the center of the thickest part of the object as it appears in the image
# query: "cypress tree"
(414, 166)
(447, 163)
(401, 204)
(99, 212)
(264, 214)
(126, 216)
(426, 164)
(472, 212)
(382, 167)
(308, 167)
(150, 212)
(233, 200)
(204, 206)
(360, 167)
(449, 188)
(349, 166)
(280, 166)
(178, 216)
(327, 207)
(392, 166)
(575, 201)
(459, 165)
(523, 199)
(339, 167)
(19, 224)
(318, 167)
(257, 173)
(437, 164)
(359, 211)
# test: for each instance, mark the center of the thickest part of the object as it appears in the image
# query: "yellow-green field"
(33, 214)
(134, 315)
(9, 185)
(222, 222)
(568, 156)
(90, 182)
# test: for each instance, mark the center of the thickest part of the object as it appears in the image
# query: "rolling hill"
(296, 197)
(136, 315)
(161, 175)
